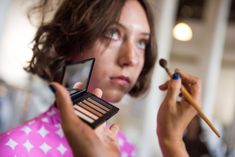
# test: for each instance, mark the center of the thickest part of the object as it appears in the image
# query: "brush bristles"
(163, 63)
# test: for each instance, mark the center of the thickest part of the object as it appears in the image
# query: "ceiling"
(194, 9)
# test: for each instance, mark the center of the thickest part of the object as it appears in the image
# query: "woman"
(120, 35)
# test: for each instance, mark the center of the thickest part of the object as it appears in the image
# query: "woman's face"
(118, 65)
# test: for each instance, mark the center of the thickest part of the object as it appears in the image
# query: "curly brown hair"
(81, 23)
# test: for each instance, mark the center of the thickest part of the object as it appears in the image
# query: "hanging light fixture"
(182, 31)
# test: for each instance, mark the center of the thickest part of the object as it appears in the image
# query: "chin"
(113, 96)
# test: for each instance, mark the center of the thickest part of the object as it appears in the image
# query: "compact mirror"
(78, 72)
(90, 108)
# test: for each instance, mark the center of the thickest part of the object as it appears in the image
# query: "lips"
(122, 81)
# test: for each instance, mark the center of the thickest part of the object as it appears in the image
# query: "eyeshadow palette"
(90, 108)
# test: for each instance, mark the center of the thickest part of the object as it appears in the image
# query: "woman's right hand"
(82, 139)
(175, 115)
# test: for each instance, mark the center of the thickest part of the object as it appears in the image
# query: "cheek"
(142, 62)
(139, 68)
(99, 73)
(136, 71)
(141, 65)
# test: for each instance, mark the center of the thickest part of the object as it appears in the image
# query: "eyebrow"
(147, 34)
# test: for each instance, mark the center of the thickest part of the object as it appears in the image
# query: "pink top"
(44, 137)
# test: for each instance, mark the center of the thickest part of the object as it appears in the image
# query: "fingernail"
(52, 88)
(176, 76)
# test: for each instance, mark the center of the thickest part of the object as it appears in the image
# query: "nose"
(127, 55)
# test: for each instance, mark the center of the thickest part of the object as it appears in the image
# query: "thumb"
(78, 85)
(173, 89)
(63, 101)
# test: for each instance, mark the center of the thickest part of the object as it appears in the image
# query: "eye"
(142, 44)
(112, 33)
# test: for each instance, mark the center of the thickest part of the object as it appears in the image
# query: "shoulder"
(11, 140)
(41, 135)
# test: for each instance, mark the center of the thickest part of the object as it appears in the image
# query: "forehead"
(133, 16)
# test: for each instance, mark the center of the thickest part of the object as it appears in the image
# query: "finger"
(100, 129)
(78, 85)
(173, 89)
(187, 77)
(98, 92)
(192, 83)
(114, 128)
(64, 102)
(164, 86)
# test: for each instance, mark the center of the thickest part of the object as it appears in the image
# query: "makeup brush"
(187, 95)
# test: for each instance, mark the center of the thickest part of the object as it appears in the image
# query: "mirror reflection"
(78, 72)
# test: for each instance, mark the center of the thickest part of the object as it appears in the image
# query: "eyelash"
(143, 41)
(114, 31)
(110, 34)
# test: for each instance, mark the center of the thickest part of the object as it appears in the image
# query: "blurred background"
(196, 36)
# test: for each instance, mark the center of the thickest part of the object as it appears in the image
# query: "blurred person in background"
(193, 140)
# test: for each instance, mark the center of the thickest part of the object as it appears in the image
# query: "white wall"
(15, 46)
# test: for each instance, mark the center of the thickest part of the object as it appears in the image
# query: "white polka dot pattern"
(44, 137)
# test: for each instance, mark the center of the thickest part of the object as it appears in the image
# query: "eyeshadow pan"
(85, 106)
(84, 111)
(98, 104)
(81, 115)
(94, 106)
